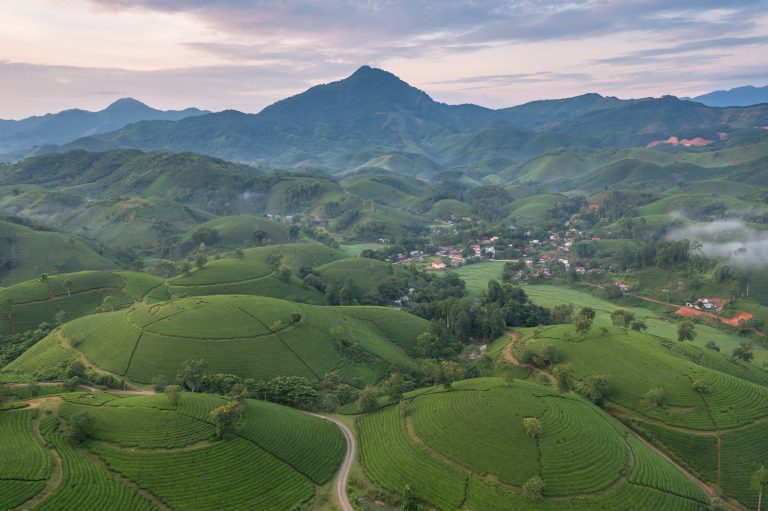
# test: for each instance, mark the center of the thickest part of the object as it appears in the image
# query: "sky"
(244, 55)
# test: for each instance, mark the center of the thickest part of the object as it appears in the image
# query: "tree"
(622, 318)
(284, 273)
(68, 286)
(81, 427)
(239, 253)
(533, 487)
(655, 395)
(743, 351)
(190, 375)
(686, 331)
(447, 372)
(59, 318)
(137, 264)
(562, 313)
(596, 389)
(173, 394)
(700, 386)
(507, 371)
(564, 377)
(200, 259)
(409, 502)
(227, 417)
(368, 399)
(532, 426)
(712, 345)
(584, 320)
(393, 386)
(758, 482)
(108, 304)
(638, 325)
(7, 308)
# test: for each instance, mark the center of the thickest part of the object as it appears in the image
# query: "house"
(477, 250)
(528, 264)
(438, 266)
(581, 270)
(565, 263)
(622, 285)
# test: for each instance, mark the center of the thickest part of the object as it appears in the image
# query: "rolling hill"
(28, 253)
(453, 449)
(251, 337)
(145, 454)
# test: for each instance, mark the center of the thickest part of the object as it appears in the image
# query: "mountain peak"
(127, 104)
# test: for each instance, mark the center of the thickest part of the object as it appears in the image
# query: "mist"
(733, 240)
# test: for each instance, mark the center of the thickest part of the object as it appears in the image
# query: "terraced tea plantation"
(76, 294)
(712, 415)
(468, 449)
(251, 337)
(145, 453)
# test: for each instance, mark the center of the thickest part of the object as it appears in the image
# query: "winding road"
(346, 465)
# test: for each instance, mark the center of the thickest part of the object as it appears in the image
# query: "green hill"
(711, 431)
(238, 231)
(28, 253)
(251, 337)
(76, 294)
(144, 451)
(467, 449)
(363, 274)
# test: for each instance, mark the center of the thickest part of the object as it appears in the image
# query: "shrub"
(533, 487)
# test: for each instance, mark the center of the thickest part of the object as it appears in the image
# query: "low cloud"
(733, 240)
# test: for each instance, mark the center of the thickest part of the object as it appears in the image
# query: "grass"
(234, 334)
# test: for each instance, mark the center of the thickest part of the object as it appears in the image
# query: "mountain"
(544, 114)
(373, 116)
(69, 125)
(666, 120)
(739, 96)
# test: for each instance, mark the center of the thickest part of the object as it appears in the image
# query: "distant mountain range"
(353, 122)
(740, 96)
(63, 127)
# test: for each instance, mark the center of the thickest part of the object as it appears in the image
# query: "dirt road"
(346, 465)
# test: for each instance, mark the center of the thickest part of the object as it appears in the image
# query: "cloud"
(729, 239)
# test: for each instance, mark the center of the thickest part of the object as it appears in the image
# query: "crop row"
(107, 339)
(310, 444)
(696, 451)
(390, 457)
(652, 470)
(143, 427)
(233, 474)
(84, 486)
(13, 493)
(742, 452)
(21, 457)
(482, 430)
(263, 357)
(40, 358)
(732, 401)
(581, 452)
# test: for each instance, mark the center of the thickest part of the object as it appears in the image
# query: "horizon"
(144, 103)
(227, 54)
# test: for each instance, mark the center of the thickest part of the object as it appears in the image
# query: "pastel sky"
(58, 54)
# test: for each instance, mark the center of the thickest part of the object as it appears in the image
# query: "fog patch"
(733, 240)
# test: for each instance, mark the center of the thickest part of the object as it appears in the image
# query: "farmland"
(453, 449)
(144, 451)
(252, 337)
